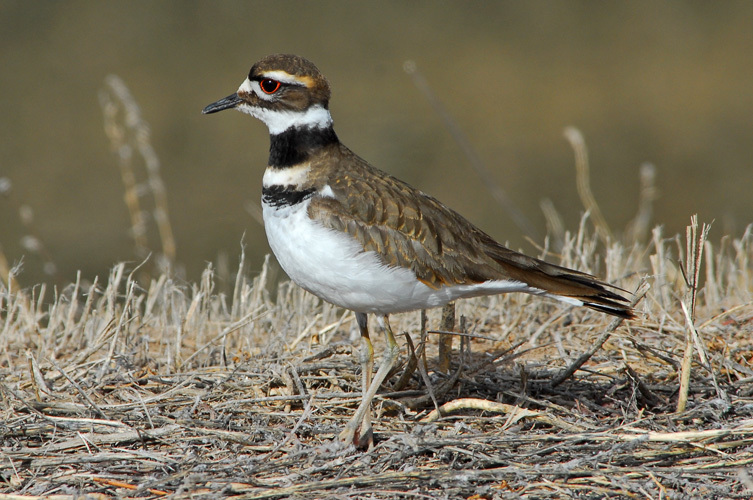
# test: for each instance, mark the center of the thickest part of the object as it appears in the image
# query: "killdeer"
(363, 240)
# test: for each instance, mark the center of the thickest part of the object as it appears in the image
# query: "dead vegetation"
(138, 387)
(135, 389)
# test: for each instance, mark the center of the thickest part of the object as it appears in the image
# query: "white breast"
(333, 266)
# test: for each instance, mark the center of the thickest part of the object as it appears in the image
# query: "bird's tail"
(602, 300)
(566, 285)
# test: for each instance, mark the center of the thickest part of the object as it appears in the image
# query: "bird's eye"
(269, 86)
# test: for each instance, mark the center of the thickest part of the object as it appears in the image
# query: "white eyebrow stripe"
(283, 77)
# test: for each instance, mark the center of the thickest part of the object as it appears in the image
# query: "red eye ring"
(269, 86)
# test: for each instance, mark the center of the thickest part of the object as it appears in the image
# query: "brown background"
(666, 82)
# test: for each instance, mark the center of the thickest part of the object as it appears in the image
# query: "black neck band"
(284, 196)
(294, 145)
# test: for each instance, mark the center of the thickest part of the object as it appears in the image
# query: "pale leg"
(366, 357)
(362, 416)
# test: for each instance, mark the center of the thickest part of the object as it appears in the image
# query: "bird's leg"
(366, 357)
(362, 416)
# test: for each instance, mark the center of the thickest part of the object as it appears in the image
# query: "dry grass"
(136, 387)
(174, 389)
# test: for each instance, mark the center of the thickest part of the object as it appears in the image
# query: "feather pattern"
(410, 229)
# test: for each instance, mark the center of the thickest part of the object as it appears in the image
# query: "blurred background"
(669, 83)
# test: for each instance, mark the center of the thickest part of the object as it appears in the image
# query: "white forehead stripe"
(249, 87)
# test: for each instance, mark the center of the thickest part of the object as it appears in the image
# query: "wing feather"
(410, 229)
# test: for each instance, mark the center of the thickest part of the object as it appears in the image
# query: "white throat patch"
(278, 121)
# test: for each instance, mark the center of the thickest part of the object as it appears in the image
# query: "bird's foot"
(362, 438)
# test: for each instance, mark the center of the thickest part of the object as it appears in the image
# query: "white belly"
(333, 266)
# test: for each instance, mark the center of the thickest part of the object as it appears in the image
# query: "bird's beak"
(230, 101)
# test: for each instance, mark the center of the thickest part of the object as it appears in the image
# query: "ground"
(148, 388)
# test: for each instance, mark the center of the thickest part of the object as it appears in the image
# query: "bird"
(363, 240)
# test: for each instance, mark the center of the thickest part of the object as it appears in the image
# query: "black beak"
(230, 101)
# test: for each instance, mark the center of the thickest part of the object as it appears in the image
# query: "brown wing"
(404, 226)
(410, 229)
